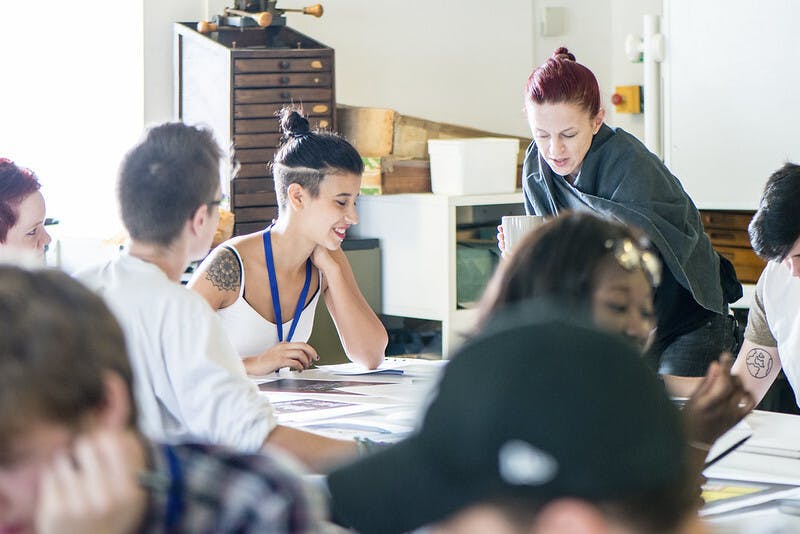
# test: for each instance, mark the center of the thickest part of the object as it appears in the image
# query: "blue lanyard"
(175, 495)
(273, 286)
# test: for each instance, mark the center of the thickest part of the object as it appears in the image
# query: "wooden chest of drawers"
(235, 82)
(728, 233)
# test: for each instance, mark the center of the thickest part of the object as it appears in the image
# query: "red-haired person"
(22, 210)
(578, 163)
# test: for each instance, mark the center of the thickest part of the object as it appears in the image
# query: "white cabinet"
(731, 111)
(417, 235)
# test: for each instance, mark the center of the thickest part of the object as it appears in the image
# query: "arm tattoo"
(224, 273)
(759, 363)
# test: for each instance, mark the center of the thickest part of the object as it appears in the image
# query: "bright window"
(71, 102)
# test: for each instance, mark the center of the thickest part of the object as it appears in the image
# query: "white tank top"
(250, 333)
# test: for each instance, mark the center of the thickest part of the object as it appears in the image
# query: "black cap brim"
(406, 490)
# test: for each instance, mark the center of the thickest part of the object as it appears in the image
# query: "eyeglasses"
(631, 256)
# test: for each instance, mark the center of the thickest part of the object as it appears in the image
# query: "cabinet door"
(730, 83)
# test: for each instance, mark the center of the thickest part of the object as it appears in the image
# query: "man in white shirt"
(772, 337)
(190, 384)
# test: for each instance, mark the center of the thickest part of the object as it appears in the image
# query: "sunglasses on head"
(631, 256)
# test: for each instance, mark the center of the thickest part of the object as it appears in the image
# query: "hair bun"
(562, 53)
(293, 123)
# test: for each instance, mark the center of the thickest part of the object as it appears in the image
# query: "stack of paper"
(774, 434)
(771, 455)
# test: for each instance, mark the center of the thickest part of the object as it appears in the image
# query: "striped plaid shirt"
(205, 489)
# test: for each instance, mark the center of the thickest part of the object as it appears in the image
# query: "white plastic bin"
(474, 166)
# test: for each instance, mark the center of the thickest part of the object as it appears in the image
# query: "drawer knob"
(284, 80)
(285, 95)
(323, 124)
(284, 64)
(316, 64)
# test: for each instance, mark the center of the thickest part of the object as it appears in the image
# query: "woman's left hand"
(324, 259)
(718, 403)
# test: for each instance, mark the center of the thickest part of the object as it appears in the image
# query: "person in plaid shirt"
(71, 456)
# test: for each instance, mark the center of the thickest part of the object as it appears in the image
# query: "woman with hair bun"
(265, 285)
(576, 162)
(22, 210)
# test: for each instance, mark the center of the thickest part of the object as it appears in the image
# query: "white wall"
(595, 32)
(159, 16)
(626, 19)
(462, 62)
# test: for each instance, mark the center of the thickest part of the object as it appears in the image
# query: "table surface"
(329, 400)
(388, 407)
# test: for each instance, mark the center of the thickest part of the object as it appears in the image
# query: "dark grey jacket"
(621, 179)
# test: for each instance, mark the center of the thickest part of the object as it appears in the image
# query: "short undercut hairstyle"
(165, 178)
(307, 156)
(775, 228)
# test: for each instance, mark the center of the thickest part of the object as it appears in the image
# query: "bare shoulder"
(247, 245)
(222, 270)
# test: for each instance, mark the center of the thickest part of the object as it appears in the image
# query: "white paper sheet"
(306, 409)
(774, 434)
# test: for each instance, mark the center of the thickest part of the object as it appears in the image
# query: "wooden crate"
(400, 143)
(389, 175)
(377, 132)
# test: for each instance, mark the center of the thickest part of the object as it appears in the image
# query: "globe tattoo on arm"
(759, 363)
(224, 271)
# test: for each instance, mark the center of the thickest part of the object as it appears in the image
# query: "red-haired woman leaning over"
(576, 162)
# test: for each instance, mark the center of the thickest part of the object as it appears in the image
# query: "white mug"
(516, 226)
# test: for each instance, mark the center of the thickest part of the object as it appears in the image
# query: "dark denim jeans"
(692, 353)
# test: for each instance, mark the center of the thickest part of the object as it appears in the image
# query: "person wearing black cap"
(535, 452)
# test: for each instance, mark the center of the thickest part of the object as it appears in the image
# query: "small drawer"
(287, 95)
(253, 170)
(256, 140)
(726, 237)
(302, 79)
(726, 219)
(252, 185)
(273, 125)
(307, 64)
(250, 228)
(264, 198)
(261, 213)
(257, 111)
(746, 262)
(255, 155)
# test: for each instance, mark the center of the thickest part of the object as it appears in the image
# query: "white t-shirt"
(189, 382)
(774, 321)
